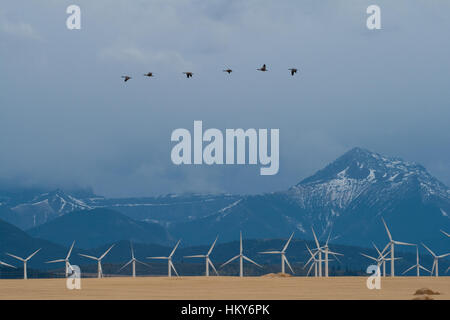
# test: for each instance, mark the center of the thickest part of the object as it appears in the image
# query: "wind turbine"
(283, 255)
(436, 261)
(66, 260)
(382, 257)
(99, 261)
(169, 261)
(392, 243)
(326, 251)
(241, 259)
(319, 251)
(133, 262)
(314, 261)
(417, 265)
(25, 275)
(208, 261)
(381, 260)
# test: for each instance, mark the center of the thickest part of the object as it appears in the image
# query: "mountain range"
(347, 198)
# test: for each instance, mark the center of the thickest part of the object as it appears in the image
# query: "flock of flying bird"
(189, 74)
(315, 261)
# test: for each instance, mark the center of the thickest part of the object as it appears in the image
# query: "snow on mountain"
(348, 197)
(43, 208)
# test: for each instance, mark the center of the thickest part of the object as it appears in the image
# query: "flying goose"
(293, 71)
(263, 68)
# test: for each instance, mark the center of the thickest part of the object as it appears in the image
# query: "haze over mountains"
(349, 197)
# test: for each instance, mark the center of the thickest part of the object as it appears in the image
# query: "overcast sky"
(67, 118)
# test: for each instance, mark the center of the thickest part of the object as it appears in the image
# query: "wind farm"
(295, 285)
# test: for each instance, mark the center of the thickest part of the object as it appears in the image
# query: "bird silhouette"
(188, 74)
(293, 71)
(149, 74)
(228, 71)
(263, 68)
(126, 78)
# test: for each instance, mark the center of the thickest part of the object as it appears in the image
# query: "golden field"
(223, 288)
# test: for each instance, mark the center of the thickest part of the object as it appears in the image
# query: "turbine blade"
(310, 268)
(270, 252)
(335, 256)
(385, 248)
(145, 264)
(89, 257)
(287, 243)
(132, 251)
(432, 253)
(315, 239)
(423, 268)
(31, 255)
(403, 243)
(196, 256)
(16, 257)
(175, 248)
(335, 253)
(328, 239)
(212, 247)
(240, 242)
(376, 248)
(106, 252)
(313, 255)
(232, 259)
(163, 258)
(408, 269)
(309, 261)
(70, 250)
(387, 229)
(443, 255)
(6, 265)
(173, 267)
(124, 266)
(288, 264)
(448, 235)
(212, 265)
(54, 261)
(367, 256)
(250, 260)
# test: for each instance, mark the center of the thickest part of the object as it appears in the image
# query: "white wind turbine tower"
(314, 261)
(66, 260)
(319, 251)
(25, 261)
(283, 255)
(392, 243)
(326, 251)
(418, 266)
(169, 261)
(435, 267)
(133, 262)
(208, 261)
(99, 261)
(241, 259)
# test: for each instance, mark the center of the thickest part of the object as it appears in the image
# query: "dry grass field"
(223, 288)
